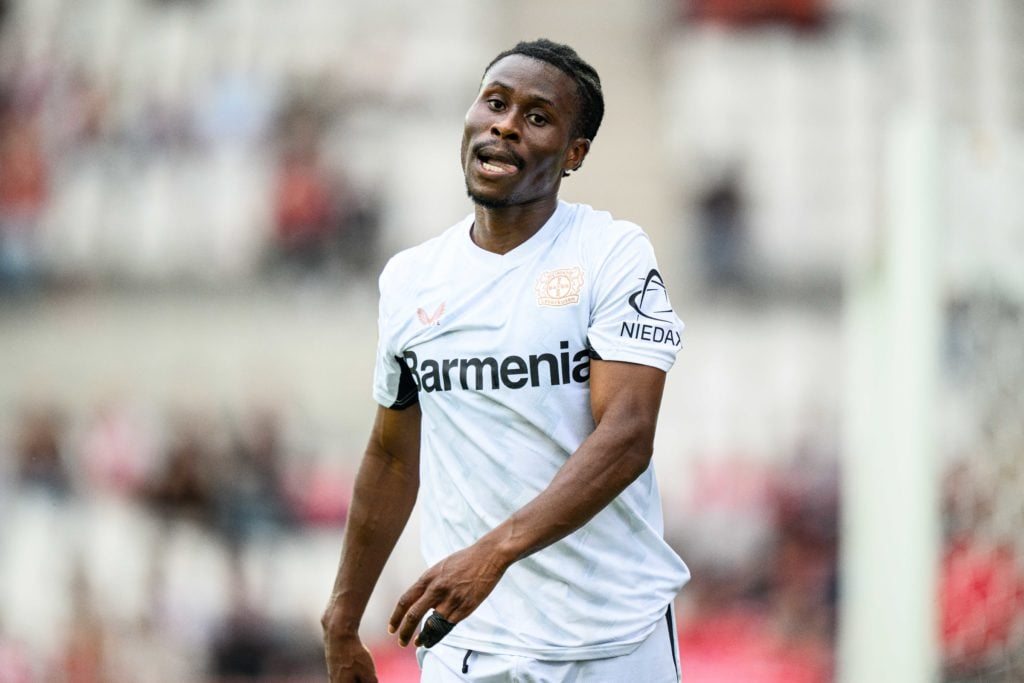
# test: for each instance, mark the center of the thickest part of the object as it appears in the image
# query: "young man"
(520, 368)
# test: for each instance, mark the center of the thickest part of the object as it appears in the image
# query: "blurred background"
(196, 197)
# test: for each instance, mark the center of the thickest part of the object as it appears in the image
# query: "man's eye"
(496, 105)
(537, 119)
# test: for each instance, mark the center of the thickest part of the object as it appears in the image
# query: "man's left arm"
(624, 398)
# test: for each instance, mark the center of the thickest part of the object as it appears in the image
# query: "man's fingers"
(412, 619)
(451, 600)
(404, 603)
(401, 607)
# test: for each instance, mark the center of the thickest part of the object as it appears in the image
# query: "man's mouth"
(496, 161)
(498, 167)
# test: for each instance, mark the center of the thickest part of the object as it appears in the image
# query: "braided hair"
(565, 59)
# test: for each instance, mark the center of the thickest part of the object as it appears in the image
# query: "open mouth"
(497, 162)
(498, 167)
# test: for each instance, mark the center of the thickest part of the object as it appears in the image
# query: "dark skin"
(525, 112)
(518, 142)
(384, 495)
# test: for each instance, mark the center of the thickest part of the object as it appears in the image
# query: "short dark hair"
(588, 83)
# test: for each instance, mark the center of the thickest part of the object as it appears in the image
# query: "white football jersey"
(496, 349)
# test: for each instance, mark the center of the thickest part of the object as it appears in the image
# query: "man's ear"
(578, 149)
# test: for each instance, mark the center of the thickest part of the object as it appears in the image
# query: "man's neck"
(500, 230)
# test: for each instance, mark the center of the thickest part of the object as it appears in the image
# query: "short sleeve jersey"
(496, 350)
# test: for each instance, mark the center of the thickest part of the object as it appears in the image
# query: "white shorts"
(656, 660)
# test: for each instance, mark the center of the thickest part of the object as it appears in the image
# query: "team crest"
(559, 287)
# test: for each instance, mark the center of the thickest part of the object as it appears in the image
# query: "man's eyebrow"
(504, 86)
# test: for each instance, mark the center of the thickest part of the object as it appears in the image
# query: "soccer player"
(520, 367)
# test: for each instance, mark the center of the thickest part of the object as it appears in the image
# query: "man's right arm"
(385, 492)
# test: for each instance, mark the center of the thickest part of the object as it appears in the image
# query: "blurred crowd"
(762, 543)
(232, 477)
(169, 489)
(96, 171)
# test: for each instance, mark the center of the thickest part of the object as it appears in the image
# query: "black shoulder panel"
(408, 394)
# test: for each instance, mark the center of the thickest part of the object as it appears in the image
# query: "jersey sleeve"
(631, 317)
(393, 384)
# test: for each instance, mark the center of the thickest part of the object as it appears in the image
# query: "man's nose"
(505, 128)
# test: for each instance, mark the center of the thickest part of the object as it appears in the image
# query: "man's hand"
(348, 660)
(453, 587)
